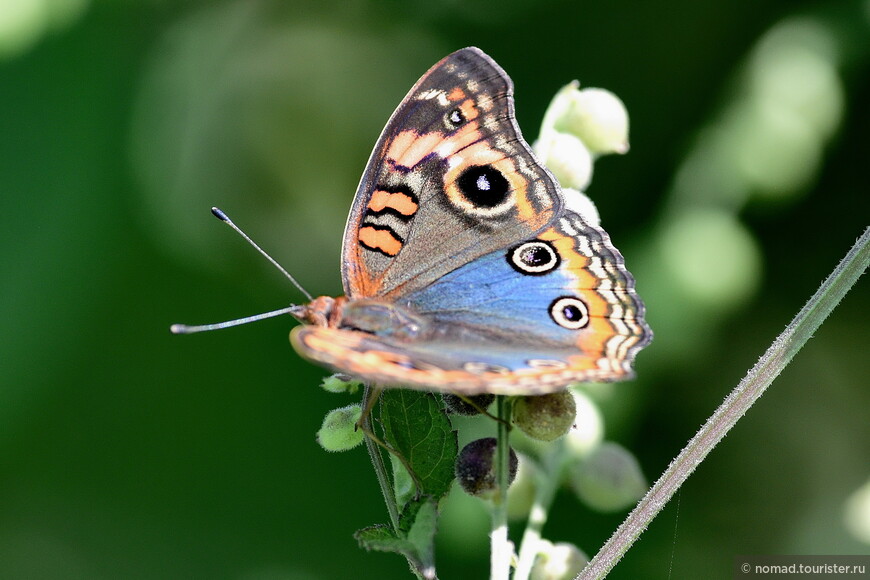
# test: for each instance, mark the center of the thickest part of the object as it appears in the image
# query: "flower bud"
(857, 513)
(340, 383)
(521, 496)
(597, 117)
(567, 158)
(609, 479)
(339, 431)
(561, 561)
(588, 430)
(581, 204)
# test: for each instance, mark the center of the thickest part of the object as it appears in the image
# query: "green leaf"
(415, 539)
(417, 428)
(403, 485)
(382, 539)
(421, 531)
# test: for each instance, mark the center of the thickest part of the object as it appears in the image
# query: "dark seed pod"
(458, 406)
(475, 468)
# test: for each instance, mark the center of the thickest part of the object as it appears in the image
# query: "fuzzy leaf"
(416, 427)
(382, 539)
(414, 540)
(421, 531)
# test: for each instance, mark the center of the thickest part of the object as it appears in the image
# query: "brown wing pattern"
(449, 180)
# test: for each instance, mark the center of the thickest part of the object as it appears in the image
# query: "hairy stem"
(502, 549)
(378, 460)
(735, 405)
(546, 482)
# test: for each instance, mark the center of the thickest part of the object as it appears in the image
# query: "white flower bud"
(521, 495)
(588, 430)
(567, 158)
(857, 514)
(561, 561)
(598, 118)
(609, 479)
(581, 204)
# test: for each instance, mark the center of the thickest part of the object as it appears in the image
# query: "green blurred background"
(126, 452)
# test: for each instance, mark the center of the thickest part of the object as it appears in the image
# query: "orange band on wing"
(408, 148)
(380, 240)
(398, 201)
(593, 340)
(456, 94)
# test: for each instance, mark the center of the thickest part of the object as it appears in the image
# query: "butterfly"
(464, 267)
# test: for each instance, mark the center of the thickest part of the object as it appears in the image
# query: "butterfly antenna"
(295, 310)
(219, 214)
(188, 329)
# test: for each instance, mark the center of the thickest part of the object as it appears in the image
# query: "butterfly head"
(321, 311)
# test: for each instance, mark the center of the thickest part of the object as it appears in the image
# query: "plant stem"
(378, 461)
(546, 483)
(735, 405)
(501, 548)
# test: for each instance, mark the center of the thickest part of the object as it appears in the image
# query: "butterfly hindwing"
(527, 319)
(449, 180)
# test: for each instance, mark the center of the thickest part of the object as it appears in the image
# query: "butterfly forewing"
(449, 180)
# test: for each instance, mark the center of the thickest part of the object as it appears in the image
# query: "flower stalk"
(753, 385)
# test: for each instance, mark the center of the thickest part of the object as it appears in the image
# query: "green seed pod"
(339, 431)
(545, 417)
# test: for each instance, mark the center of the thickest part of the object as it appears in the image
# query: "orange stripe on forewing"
(469, 109)
(456, 94)
(399, 144)
(401, 202)
(466, 136)
(408, 148)
(383, 240)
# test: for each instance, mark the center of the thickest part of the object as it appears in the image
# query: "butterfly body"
(464, 267)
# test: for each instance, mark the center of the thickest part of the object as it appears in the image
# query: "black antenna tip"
(219, 214)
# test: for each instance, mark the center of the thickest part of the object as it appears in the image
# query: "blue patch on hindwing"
(490, 295)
